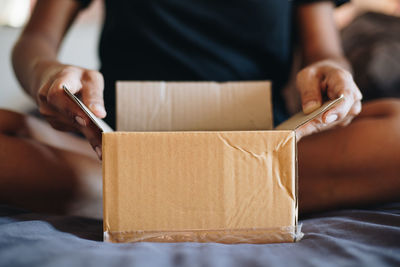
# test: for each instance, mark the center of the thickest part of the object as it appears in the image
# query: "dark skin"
(42, 76)
(333, 161)
(43, 169)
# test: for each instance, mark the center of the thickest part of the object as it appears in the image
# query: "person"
(343, 160)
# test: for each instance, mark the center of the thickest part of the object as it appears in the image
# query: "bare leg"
(356, 165)
(43, 169)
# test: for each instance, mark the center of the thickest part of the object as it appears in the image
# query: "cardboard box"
(200, 162)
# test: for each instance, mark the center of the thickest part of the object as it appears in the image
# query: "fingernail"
(80, 121)
(98, 151)
(331, 118)
(98, 109)
(310, 106)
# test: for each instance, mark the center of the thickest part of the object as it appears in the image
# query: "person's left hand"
(330, 79)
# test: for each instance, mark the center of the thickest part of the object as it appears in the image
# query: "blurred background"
(79, 47)
(370, 31)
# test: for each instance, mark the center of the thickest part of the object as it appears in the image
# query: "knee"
(386, 108)
(392, 105)
(11, 122)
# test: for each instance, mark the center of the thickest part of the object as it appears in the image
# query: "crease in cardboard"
(283, 143)
(262, 156)
(290, 193)
(266, 158)
(165, 100)
(280, 183)
(241, 207)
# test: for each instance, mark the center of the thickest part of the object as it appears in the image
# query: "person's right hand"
(59, 110)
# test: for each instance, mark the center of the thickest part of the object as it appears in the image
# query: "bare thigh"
(355, 165)
(44, 169)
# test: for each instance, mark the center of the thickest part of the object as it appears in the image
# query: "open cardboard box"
(200, 162)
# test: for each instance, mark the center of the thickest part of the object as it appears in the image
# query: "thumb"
(308, 84)
(92, 92)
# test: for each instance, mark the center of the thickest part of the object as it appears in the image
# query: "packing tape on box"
(250, 236)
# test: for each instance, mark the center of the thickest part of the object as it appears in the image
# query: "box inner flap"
(194, 106)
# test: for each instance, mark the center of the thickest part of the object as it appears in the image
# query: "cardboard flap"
(300, 118)
(99, 123)
(193, 106)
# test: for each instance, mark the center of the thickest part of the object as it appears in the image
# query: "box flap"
(193, 106)
(99, 123)
(300, 118)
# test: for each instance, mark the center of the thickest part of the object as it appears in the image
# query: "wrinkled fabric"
(341, 238)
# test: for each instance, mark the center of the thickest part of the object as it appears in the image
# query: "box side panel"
(204, 182)
(193, 106)
(110, 181)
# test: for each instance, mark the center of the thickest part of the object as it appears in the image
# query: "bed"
(353, 237)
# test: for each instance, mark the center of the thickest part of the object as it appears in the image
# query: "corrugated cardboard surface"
(234, 186)
(229, 187)
(194, 106)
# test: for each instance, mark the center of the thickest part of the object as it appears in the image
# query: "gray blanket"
(369, 237)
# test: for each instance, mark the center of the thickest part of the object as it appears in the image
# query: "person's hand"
(327, 79)
(60, 111)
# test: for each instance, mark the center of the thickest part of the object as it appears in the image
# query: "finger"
(356, 109)
(47, 111)
(58, 100)
(52, 115)
(56, 121)
(340, 111)
(92, 92)
(317, 124)
(91, 132)
(60, 125)
(309, 128)
(346, 121)
(342, 83)
(308, 84)
(93, 135)
(305, 130)
(41, 97)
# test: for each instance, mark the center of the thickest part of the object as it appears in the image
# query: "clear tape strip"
(235, 236)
